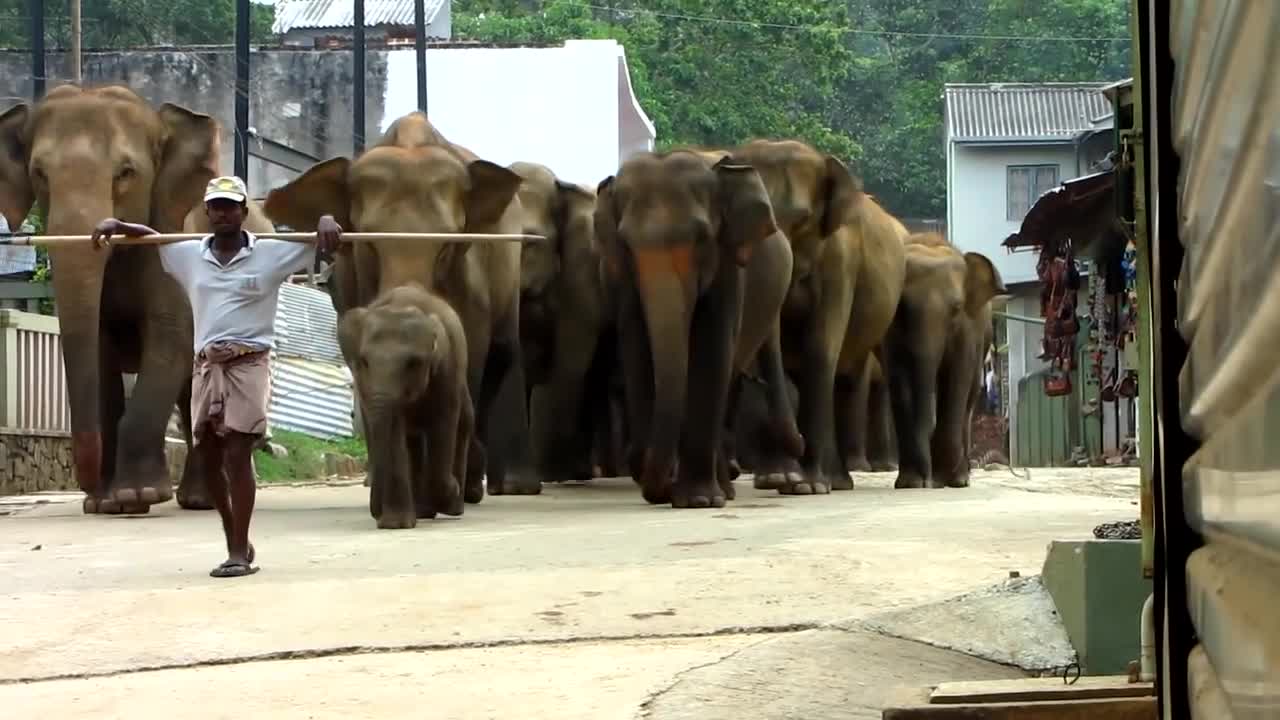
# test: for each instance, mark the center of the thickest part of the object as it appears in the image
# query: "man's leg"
(238, 461)
(210, 447)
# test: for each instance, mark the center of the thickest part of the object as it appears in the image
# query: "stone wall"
(301, 98)
(35, 462)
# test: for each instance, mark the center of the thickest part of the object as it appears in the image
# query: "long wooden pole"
(167, 238)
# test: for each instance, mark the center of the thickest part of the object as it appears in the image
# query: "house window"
(1026, 183)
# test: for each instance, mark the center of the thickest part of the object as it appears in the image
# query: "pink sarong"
(230, 390)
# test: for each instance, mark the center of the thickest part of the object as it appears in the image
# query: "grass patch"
(306, 456)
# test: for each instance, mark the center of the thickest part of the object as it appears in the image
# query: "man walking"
(232, 280)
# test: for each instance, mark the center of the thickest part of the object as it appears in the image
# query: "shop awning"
(1074, 204)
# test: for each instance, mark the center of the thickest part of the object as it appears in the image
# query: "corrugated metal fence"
(1225, 122)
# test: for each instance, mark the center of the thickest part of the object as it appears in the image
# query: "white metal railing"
(33, 382)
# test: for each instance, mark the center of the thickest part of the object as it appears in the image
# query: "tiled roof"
(295, 14)
(1023, 111)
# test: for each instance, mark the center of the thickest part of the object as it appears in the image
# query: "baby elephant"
(408, 354)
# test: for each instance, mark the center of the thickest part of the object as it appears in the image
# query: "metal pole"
(242, 89)
(75, 42)
(36, 10)
(357, 100)
(420, 47)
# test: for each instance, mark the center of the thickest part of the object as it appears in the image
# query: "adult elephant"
(868, 437)
(415, 180)
(677, 231)
(567, 338)
(847, 277)
(935, 349)
(86, 154)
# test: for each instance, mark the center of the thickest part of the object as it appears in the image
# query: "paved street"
(580, 603)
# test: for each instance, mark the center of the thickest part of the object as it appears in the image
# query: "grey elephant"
(408, 353)
(934, 351)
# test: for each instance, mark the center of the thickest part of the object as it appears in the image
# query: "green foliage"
(135, 23)
(862, 80)
(306, 456)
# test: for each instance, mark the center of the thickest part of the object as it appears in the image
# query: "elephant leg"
(817, 390)
(912, 379)
(854, 437)
(391, 463)
(471, 493)
(142, 475)
(509, 471)
(193, 490)
(880, 445)
(712, 341)
(777, 439)
(420, 480)
(846, 428)
(111, 408)
(949, 449)
(728, 442)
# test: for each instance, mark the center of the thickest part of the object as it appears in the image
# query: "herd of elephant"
(699, 313)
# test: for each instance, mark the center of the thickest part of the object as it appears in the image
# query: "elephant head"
(982, 283)
(560, 211)
(85, 155)
(813, 194)
(667, 226)
(412, 181)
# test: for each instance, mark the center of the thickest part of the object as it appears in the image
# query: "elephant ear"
(188, 161)
(493, 187)
(16, 194)
(605, 220)
(746, 213)
(322, 190)
(842, 193)
(575, 210)
(350, 326)
(982, 283)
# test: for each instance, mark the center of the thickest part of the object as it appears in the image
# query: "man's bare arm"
(111, 226)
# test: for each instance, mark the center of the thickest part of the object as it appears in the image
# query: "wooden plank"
(1103, 709)
(1039, 689)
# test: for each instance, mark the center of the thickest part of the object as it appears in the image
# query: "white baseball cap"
(227, 187)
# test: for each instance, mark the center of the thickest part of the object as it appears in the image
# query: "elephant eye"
(125, 172)
(363, 362)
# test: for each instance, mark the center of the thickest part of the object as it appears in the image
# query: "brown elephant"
(86, 154)
(868, 436)
(408, 354)
(678, 231)
(934, 359)
(567, 339)
(414, 180)
(847, 276)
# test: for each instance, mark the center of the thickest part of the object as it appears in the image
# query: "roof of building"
(1022, 112)
(321, 14)
(306, 324)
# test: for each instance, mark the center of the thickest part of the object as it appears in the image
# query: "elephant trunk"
(77, 285)
(385, 438)
(666, 290)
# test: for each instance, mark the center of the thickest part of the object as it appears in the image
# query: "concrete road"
(581, 602)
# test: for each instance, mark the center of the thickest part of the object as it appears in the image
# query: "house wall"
(977, 195)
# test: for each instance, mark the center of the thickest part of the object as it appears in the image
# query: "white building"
(1006, 144)
(310, 22)
(570, 108)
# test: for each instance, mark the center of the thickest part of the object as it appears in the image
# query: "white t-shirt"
(235, 302)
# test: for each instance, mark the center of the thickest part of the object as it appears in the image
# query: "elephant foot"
(398, 520)
(858, 463)
(840, 481)
(194, 496)
(474, 491)
(883, 466)
(105, 505)
(697, 494)
(774, 480)
(735, 469)
(909, 481)
(515, 485)
(809, 483)
(141, 483)
(450, 502)
(958, 480)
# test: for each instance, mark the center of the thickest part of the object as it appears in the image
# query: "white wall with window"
(991, 189)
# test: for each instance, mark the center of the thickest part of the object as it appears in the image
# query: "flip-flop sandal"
(232, 569)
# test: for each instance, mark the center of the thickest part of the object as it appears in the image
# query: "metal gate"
(1212, 132)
